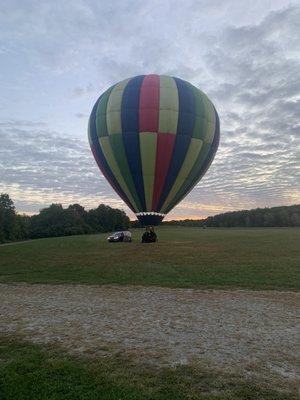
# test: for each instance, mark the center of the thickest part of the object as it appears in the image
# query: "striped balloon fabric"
(153, 137)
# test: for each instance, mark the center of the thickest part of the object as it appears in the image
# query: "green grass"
(28, 372)
(184, 257)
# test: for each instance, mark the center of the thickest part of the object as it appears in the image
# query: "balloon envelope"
(153, 137)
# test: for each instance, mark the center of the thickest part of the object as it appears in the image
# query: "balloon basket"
(150, 218)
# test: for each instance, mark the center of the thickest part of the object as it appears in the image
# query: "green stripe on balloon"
(114, 166)
(148, 143)
(168, 105)
(205, 116)
(211, 122)
(101, 125)
(200, 119)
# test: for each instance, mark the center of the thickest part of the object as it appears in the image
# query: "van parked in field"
(122, 236)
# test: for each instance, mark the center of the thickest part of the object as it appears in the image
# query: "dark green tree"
(7, 218)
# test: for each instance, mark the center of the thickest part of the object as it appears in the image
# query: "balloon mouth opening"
(150, 218)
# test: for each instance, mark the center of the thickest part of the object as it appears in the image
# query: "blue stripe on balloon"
(185, 127)
(186, 109)
(130, 130)
(97, 148)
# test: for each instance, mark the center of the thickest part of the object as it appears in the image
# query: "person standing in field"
(153, 236)
(149, 236)
(146, 235)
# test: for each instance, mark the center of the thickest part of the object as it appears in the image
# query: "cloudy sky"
(57, 57)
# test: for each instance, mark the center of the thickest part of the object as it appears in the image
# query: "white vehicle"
(122, 236)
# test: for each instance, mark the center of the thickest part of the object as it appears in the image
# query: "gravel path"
(247, 332)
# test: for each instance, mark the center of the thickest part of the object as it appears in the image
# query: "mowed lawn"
(263, 258)
(29, 372)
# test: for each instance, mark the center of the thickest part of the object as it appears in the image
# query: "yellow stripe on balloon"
(113, 111)
(168, 105)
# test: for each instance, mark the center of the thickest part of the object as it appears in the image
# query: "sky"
(56, 58)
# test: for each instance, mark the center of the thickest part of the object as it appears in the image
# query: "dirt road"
(246, 332)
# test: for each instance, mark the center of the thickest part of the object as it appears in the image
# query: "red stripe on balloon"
(164, 152)
(149, 104)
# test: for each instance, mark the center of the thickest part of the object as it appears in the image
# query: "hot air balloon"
(153, 138)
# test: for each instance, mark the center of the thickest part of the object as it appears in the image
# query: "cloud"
(246, 58)
(256, 162)
(38, 167)
(82, 116)
(83, 91)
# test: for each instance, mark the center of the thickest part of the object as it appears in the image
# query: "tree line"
(75, 220)
(259, 217)
(58, 221)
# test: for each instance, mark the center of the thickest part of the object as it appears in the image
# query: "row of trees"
(75, 220)
(259, 217)
(58, 221)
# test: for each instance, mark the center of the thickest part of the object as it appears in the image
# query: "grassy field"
(184, 257)
(28, 372)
